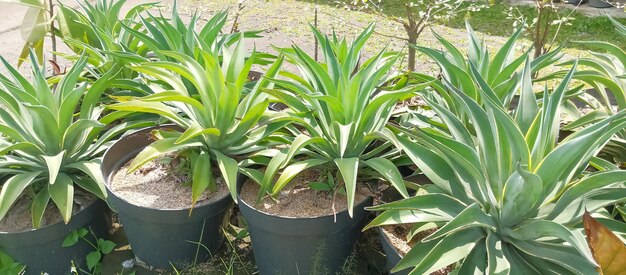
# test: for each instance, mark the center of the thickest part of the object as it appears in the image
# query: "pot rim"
(382, 233)
(361, 204)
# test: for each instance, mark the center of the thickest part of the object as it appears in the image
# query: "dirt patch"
(298, 200)
(19, 217)
(397, 234)
(157, 185)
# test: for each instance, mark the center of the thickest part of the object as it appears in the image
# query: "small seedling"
(101, 247)
(329, 186)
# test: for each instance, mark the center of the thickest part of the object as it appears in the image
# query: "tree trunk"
(411, 58)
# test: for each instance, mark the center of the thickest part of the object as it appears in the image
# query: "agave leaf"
(149, 107)
(589, 118)
(62, 194)
(536, 229)
(390, 173)
(527, 110)
(435, 168)
(202, 177)
(611, 48)
(504, 53)
(576, 151)
(175, 97)
(621, 29)
(443, 205)
(293, 170)
(472, 216)
(476, 261)
(76, 134)
(31, 3)
(348, 167)
(608, 250)
(195, 130)
(521, 193)
(229, 169)
(159, 148)
(38, 206)
(12, 189)
(20, 146)
(92, 169)
(270, 172)
(565, 256)
(497, 261)
(54, 165)
(582, 189)
(395, 216)
(35, 24)
(442, 253)
(249, 120)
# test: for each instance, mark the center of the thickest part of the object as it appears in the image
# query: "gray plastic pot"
(163, 238)
(285, 245)
(599, 4)
(392, 254)
(41, 249)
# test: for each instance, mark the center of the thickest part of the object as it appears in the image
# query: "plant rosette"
(220, 116)
(506, 197)
(338, 110)
(50, 158)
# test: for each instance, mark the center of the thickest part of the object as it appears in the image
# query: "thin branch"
(53, 36)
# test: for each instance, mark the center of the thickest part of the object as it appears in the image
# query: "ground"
(286, 22)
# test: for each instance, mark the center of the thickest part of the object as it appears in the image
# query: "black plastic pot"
(393, 255)
(576, 2)
(164, 237)
(41, 249)
(285, 245)
(602, 4)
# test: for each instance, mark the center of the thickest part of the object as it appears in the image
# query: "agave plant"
(500, 72)
(96, 30)
(113, 41)
(340, 117)
(223, 118)
(48, 150)
(606, 73)
(505, 197)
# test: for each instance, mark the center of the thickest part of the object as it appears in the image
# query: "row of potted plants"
(189, 129)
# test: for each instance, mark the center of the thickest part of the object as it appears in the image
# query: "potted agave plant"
(305, 211)
(606, 73)
(190, 167)
(506, 197)
(50, 163)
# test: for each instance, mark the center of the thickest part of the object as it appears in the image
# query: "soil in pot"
(297, 200)
(159, 185)
(19, 217)
(396, 236)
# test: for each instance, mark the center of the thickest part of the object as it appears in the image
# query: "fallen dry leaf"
(608, 250)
